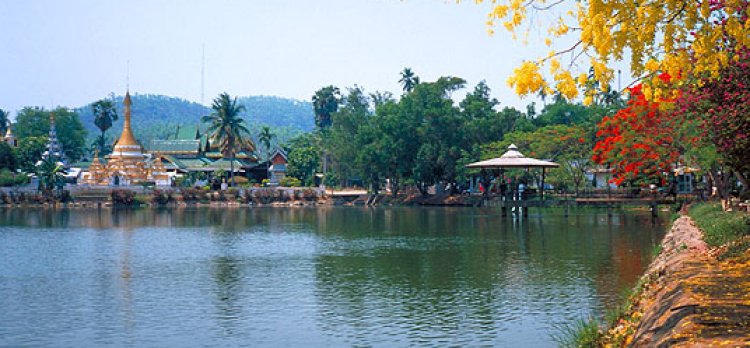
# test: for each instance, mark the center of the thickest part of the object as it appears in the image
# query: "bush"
(265, 182)
(190, 194)
(162, 197)
(8, 178)
(123, 197)
(290, 181)
(719, 227)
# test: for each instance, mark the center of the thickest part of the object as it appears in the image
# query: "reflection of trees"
(430, 272)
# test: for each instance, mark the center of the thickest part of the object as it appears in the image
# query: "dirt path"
(689, 298)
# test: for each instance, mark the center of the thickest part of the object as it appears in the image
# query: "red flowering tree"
(641, 143)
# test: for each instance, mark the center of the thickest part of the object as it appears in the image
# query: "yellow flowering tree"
(685, 38)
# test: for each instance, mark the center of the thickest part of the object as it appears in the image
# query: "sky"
(70, 53)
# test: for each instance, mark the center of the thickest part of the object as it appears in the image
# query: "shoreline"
(687, 296)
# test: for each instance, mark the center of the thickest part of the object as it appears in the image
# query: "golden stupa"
(127, 164)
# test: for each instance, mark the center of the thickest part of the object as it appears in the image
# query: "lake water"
(302, 277)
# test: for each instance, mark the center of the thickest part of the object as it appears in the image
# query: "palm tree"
(4, 122)
(104, 115)
(227, 129)
(264, 137)
(408, 80)
(51, 174)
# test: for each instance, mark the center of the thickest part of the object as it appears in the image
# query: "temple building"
(128, 164)
(54, 149)
(190, 150)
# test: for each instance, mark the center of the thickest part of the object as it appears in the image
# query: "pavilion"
(514, 159)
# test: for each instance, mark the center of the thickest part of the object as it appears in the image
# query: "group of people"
(507, 189)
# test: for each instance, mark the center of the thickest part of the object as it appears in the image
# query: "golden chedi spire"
(127, 140)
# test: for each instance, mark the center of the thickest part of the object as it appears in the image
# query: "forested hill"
(155, 116)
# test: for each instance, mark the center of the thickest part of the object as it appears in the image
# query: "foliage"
(264, 138)
(50, 174)
(104, 115)
(639, 142)
(9, 178)
(722, 110)
(304, 158)
(227, 130)
(325, 102)
(8, 159)
(408, 80)
(581, 333)
(290, 181)
(4, 122)
(682, 38)
(30, 151)
(122, 197)
(34, 122)
(719, 227)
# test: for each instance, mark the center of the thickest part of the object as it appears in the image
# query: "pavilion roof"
(513, 159)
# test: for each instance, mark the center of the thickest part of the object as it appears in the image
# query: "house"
(277, 166)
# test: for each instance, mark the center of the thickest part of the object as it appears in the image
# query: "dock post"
(525, 209)
(567, 206)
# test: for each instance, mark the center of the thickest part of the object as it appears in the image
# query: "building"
(128, 164)
(189, 150)
(277, 166)
(54, 149)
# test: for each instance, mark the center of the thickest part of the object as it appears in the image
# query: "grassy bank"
(720, 227)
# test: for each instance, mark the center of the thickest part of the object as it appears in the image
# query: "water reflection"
(310, 276)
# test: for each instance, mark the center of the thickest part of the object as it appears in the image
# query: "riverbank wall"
(688, 296)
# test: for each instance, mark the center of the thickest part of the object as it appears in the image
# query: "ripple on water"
(309, 277)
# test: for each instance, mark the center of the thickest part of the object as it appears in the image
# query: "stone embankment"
(688, 297)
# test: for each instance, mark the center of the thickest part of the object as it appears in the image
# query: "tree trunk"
(231, 168)
(742, 180)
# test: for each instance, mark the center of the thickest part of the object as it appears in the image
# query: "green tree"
(325, 102)
(29, 152)
(264, 137)
(4, 122)
(408, 80)
(8, 158)
(34, 122)
(227, 129)
(304, 157)
(440, 138)
(339, 141)
(105, 114)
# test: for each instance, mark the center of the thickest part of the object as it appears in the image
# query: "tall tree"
(264, 137)
(4, 122)
(227, 129)
(408, 80)
(105, 114)
(325, 102)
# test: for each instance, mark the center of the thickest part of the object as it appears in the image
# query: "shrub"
(123, 197)
(265, 182)
(190, 194)
(290, 181)
(162, 197)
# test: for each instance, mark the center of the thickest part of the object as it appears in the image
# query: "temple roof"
(173, 147)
